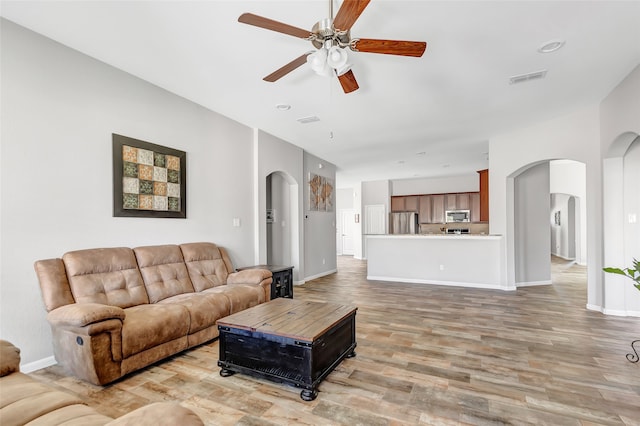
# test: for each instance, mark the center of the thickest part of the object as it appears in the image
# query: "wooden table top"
(272, 268)
(291, 318)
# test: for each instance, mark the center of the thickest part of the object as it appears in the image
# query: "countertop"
(436, 236)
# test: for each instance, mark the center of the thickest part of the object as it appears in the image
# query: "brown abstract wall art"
(320, 193)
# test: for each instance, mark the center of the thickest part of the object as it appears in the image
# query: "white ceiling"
(445, 105)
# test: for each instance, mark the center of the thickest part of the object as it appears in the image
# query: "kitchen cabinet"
(438, 203)
(474, 204)
(426, 211)
(431, 208)
(451, 201)
(405, 203)
(411, 203)
(462, 201)
(484, 195)
(397, 204)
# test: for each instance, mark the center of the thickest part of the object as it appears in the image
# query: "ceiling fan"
(330, 37)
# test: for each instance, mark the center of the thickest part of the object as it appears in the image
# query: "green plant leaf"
(614, 271)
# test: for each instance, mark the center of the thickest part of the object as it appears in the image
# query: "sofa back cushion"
(208, 265)
(105, 275)
(163, 271)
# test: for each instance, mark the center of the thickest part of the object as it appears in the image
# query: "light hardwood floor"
(426, 355)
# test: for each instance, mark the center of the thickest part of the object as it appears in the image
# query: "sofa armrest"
(249, 276)
(87, 340)
(159, 413)
(259, 277)
(9, 358)
(83, 314)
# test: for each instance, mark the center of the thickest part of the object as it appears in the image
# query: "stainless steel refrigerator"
(403, 223)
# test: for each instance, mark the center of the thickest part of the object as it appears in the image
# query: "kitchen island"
(442, 259)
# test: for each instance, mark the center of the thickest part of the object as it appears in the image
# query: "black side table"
(282, 285)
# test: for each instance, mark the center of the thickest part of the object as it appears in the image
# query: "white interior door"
(347, 225)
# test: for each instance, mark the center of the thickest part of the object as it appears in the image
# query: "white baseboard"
(436, 282)
(533, 283)
(320, 275)
(591, 307)
(37, 365)
(613, 312)
(619, 313)
(562, 257)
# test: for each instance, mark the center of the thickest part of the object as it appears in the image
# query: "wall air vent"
(310, 119)
(527, 77)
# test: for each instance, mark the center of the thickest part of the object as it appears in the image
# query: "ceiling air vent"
(310, 119)
(527, 77)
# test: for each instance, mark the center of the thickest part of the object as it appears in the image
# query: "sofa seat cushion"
(240, 296)
(24, 399)
(72, 415)
(204, 309)
(147, 326)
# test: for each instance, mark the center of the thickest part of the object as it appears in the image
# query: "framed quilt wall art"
(148, 179)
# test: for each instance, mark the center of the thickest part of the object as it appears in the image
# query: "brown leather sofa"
(116, 310)
(26, 401)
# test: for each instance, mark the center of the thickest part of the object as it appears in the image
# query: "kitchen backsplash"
(440, 228)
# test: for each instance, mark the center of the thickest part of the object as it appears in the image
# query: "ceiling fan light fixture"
(323, 61)
(318, 62)
(337, 57)
(343, 70)
(330, 37)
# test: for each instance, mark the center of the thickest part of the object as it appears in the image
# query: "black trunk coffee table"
(288, 341)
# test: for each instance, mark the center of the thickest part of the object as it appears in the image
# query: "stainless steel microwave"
(457, 215)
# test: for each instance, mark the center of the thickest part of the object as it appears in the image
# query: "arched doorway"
(533, 212)
(282, 219)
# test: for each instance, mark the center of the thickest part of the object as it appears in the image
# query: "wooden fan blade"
(270, 24)
(348, 82)
(389, 47)
(281, 72)
(349, 13)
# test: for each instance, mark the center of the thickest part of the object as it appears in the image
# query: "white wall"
(275, 155)
(619, 127)
(631, 220)
(319, 226)
(442, 185)
(531, 225)
(574, 136)
(344, 198)
(59, 109)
